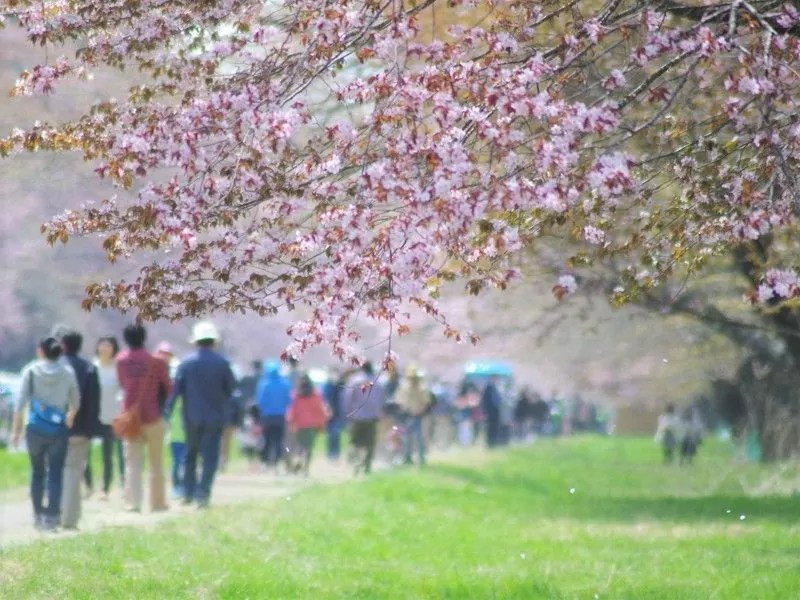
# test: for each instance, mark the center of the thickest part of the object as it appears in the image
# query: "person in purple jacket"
(365, 398)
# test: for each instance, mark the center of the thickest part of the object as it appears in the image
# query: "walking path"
(235, 487)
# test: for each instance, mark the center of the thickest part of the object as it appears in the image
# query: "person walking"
(273, 397)
(106, 364)
(414, 398)
(306, 415)
(668, 432)
(333, 393)
(50, 390)
(205, 382)
(491, 405)
(364, 405)
(146, 385)
(692, 434)
(84, 427)
(174, 423)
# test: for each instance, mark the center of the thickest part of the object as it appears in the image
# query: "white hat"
(204, 330)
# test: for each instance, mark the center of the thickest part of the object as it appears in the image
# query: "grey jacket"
(53, 382)
(365, 399)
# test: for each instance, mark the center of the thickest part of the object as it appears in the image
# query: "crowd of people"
(127, 399)
(135, 404)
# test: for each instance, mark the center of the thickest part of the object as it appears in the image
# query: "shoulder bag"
(128, 424)
(44, 419)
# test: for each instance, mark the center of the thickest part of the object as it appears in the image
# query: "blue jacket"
(273, 393)
(206, 383)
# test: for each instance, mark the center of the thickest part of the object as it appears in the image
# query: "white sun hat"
(204, 330)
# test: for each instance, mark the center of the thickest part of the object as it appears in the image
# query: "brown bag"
(128, 425)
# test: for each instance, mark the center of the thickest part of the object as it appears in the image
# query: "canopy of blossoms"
(350, 157)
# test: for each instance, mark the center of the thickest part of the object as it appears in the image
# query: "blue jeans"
(202, 440)
(334, 428)
(47, 454)
(414, 434)
(178, 450)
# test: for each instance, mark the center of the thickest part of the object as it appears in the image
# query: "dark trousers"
(47, 455)
(363, 435)
(178, 451)
(414, 437)
(203, 441)
(274, 431)
(334, 430)
(110, 443)
(493, 433)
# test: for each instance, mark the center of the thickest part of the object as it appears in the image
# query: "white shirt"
(109, 392)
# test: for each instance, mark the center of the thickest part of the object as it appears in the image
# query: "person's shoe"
(187, 501)
(133, 509)
(49, 524)
(202, 504)
(69, 527)
(38, 522)
(88, 493)
(104, 497)
(157, 509)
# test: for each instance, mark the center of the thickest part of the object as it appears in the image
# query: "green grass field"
(573, 518)
(15, 469)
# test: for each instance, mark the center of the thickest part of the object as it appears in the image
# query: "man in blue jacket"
(273, 396)
(206, 383)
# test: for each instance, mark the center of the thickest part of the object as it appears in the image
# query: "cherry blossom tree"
(350, 159)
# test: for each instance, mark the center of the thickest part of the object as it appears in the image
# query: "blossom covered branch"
(349, 158)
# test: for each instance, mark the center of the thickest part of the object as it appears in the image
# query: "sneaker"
(133, 509)
(187, 501)
(157, 509)
(49, 523)
(202, 504)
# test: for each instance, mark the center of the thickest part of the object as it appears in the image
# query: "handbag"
(44, 419)
(128, 424)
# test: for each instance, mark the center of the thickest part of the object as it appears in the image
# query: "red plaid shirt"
(144, 379)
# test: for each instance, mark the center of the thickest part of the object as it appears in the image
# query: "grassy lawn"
(577, 518)
(15, 469)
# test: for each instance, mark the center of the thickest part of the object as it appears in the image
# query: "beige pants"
(74, 466)
(153, 438)
(225, 446)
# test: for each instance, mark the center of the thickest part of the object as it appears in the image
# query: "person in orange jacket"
(307, 414)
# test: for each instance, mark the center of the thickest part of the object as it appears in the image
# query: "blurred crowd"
(135, 405)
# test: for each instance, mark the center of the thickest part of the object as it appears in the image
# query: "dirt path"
(239, 485)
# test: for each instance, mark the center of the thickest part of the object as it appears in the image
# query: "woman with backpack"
(49, 392)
